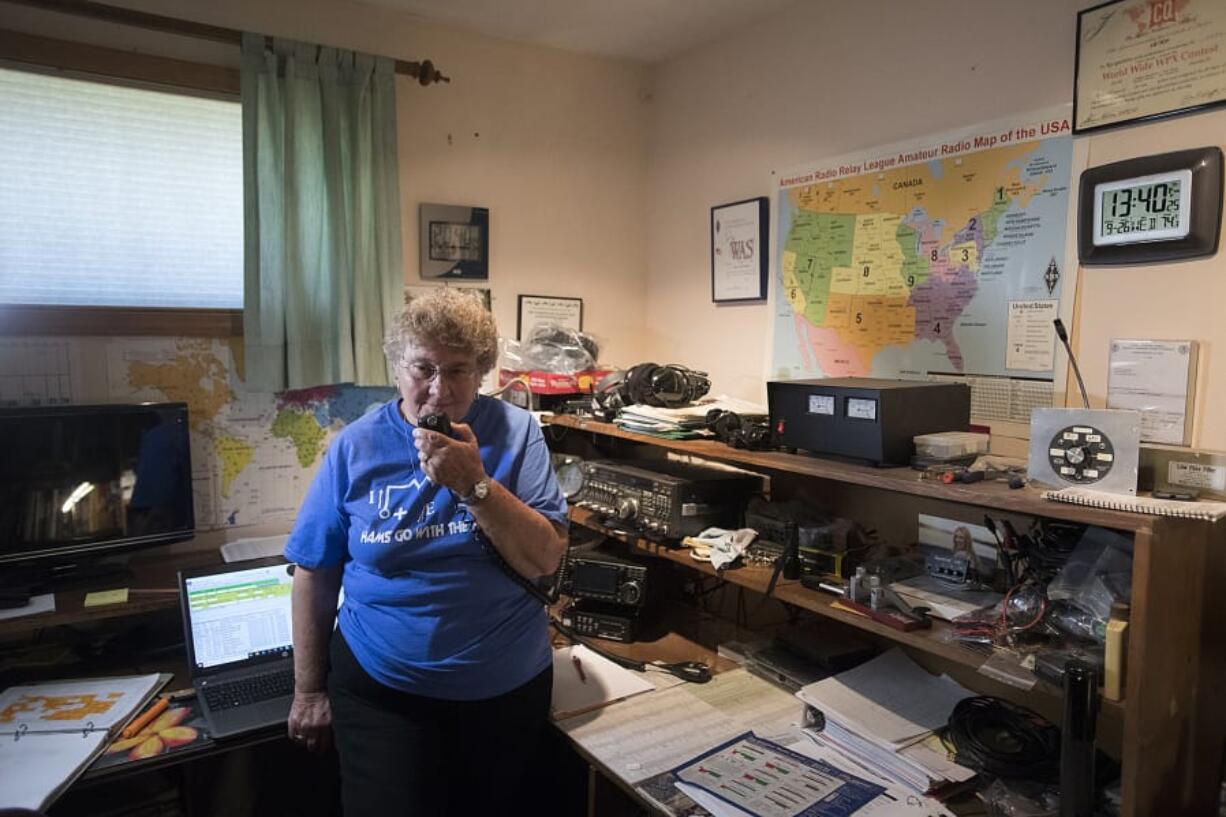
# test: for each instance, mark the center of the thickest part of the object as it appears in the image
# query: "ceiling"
(644, 30)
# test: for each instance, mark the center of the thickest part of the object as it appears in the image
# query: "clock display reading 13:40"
(1150, 208)
(1153, 208)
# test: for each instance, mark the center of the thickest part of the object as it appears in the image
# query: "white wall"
(554, 144)
(823, 79)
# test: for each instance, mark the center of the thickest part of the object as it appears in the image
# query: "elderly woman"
(437, 680)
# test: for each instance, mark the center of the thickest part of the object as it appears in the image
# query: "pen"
(578, 668)
(144, 720)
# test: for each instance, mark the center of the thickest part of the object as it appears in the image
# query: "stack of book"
(885, 714)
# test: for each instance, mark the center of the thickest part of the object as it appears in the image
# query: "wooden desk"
(152, 587)
(1169, 731)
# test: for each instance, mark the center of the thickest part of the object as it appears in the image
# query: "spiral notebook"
(1208, 511)
(50, 733)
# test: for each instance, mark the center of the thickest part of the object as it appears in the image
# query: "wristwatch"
(479, 492)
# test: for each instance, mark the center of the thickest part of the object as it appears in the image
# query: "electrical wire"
(996, 737)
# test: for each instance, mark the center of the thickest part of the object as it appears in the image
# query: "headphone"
(668, 386)
(732, 429)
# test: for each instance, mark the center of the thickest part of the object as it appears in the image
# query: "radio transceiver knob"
(627, 508)
(630, 593)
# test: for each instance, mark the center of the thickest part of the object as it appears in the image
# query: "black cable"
(996, 737)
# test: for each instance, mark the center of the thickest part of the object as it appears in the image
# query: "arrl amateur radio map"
(942, 256)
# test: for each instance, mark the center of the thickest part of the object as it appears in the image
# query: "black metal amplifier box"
(864, 418)
(665, 499)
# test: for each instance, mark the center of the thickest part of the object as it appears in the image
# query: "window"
(118, 196)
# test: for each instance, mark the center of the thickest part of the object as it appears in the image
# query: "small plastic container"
(951, 445)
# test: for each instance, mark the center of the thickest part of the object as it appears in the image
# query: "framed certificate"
(534, 309)
(739, 232)
(1139, 60)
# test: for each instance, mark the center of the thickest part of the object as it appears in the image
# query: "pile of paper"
(681, 423)
(884, 713)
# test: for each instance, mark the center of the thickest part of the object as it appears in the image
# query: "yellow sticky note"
(102, 597)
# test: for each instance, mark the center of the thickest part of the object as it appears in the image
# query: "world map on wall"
(913, 260)
(253, 454)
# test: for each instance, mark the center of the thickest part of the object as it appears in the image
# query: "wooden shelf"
(901, 480)
(935, 641)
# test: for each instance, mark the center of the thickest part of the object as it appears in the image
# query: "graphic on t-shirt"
(382, 497)
(391, 501)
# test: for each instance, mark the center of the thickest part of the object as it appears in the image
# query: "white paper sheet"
(75, 705)
(44, 603)
(240, 550)
(649, 734)
(600, 683)
(890, 699)
(38, 767)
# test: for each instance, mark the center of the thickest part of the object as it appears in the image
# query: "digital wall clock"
(1154, 208)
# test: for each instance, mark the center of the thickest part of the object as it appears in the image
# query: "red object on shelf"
(888, 616)
(539, 382)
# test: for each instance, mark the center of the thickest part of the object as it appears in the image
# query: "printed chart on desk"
(942, 257)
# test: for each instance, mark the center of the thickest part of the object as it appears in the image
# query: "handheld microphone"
(1063, 335)
(436, 422)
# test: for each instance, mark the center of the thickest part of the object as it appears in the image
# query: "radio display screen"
(594, 578)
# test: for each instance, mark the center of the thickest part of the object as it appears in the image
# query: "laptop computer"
(237, 628)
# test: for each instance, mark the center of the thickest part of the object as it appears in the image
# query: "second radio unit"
(665, 499)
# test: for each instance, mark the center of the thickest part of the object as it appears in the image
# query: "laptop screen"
(239, 615)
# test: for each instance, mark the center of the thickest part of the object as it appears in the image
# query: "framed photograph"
(1140, 60)
(455, 242)
(534, 309)
(739, 232)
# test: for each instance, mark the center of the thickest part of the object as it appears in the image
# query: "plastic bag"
(1019, 798)
(1097, 574)
(553, 348)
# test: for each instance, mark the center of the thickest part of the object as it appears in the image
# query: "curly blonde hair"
(448, 316)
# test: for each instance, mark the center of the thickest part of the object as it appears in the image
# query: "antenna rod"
(1063, 335)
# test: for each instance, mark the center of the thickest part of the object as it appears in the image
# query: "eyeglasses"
(427, 372)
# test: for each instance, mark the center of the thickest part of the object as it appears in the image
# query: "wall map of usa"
(903, 261)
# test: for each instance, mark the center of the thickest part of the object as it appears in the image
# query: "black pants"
(403, 754)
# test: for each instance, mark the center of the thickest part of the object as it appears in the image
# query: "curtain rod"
(424, 72)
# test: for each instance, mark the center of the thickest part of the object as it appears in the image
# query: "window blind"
(118, 196)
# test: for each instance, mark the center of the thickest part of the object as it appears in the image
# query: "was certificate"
(1146, 59)
(738, 250)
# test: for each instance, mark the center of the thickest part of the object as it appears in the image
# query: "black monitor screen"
(85, 478)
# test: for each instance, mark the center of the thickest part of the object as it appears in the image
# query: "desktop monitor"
(81, 482)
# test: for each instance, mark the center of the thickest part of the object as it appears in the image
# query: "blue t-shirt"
(427, 610)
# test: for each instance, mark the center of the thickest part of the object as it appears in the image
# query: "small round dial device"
(630, 592)
(570, 477)
(1081, 454)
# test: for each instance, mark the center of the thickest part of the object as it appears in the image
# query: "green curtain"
(323, 265)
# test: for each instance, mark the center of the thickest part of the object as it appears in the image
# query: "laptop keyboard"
(249, 690)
